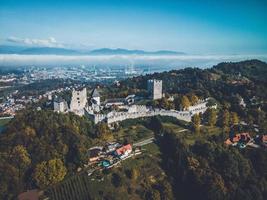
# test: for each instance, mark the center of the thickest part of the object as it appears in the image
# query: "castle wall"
(143, 111)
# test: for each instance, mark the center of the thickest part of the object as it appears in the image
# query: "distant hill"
(49, 51)
(4, 49)
(107, 51)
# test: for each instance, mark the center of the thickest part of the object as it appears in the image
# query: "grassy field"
(133, 133)
(3, 122)
(189, 136)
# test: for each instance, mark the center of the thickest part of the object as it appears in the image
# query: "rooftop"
(95, 93)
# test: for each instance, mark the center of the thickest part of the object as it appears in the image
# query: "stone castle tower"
(154, 88)
(78, 100)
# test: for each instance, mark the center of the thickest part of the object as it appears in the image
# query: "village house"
(112, 146)
(123, 151)
(94, 154)
(239, 138)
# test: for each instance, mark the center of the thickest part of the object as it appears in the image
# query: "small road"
(144, 142)
(150, 140)
(9, 117)
(183, 130)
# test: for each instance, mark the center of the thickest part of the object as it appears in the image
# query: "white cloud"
(50, 42)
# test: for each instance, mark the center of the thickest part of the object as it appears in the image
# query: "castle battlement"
(139, 111)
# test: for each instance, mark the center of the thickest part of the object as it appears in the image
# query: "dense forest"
(215, 172)
(34, 137)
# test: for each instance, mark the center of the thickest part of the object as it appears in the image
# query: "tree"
(156, 125)
(49, 172)
(212, 117)
(194, 99)
(185, 103)
(225, 120)
(196, 123)
(116, 180)
(20, 156)
(134, 173)
(155, 195)
(103, 132)
(234, 118)
(21, 159)
(211, 102)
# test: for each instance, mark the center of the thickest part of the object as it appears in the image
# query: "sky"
(191, 26)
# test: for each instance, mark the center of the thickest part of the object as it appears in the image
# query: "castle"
(125, 107)
(78, 103)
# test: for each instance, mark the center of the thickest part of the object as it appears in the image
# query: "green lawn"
(133, 133)
(3, 122)
(152, 149)
(189, 136)
(175, 128)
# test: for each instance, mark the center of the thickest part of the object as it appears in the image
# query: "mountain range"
(5, 49)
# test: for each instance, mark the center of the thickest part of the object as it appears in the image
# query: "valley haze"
(160, 61)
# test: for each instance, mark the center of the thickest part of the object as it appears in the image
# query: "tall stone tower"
(78, 100)
(154, 88)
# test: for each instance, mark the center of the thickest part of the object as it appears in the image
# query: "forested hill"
(246, 78)
(255, 69)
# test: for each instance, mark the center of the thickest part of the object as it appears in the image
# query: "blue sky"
(206, 26)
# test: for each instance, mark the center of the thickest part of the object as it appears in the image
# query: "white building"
(154, 88)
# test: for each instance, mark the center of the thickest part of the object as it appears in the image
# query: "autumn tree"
(212, 117)
(194, 99)
(20, 158)
(164, 103)
(234, 118)
(196, 123)
(49, 172)
(134, 173)
(185, 103)
(225, 120)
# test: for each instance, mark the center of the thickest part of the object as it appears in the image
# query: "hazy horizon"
(156, 63)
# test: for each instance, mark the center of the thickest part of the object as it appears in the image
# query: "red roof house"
(124, 151)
